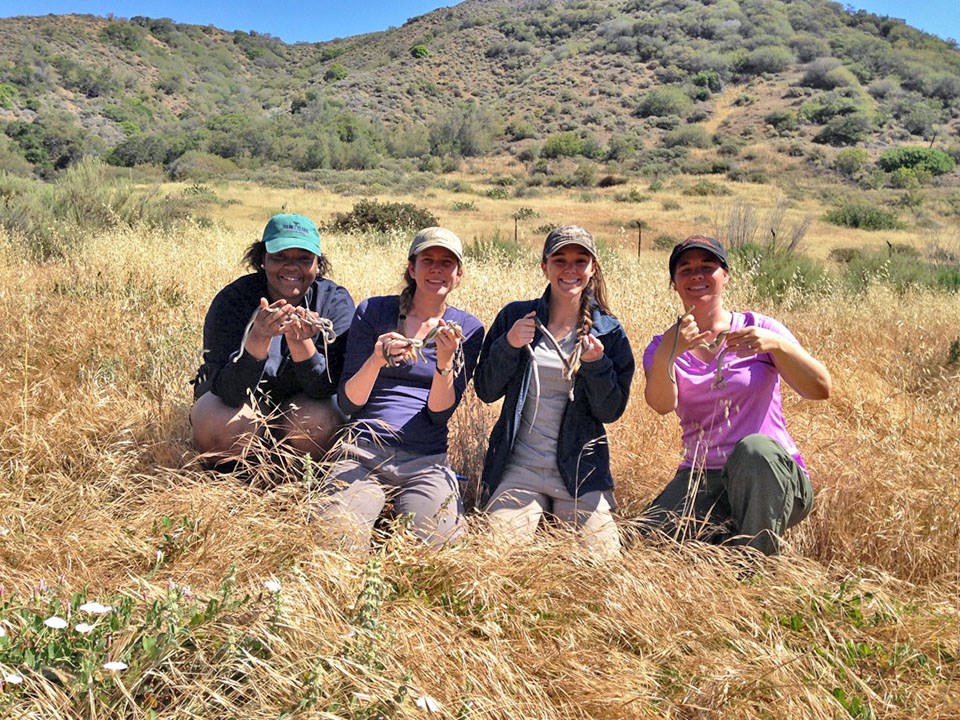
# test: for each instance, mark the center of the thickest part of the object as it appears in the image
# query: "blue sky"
(316, 20)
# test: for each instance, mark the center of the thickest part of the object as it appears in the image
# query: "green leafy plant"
(935, 162)
(863, 216)
(370, 215)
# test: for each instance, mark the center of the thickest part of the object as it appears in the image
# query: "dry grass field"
(226, 603)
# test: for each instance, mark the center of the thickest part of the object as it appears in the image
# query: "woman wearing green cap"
(273, 344)
(562, 364)
(408, 361)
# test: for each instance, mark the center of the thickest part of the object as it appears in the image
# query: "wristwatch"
(444, 373)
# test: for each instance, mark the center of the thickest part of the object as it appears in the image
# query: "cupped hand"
(391, 345)
(522, 331)
(752, 340)
(447, 340)
(592, 349)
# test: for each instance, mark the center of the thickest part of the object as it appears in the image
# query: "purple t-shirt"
(396, 413)
(714, 419)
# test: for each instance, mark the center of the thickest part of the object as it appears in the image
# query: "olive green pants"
(759, 493)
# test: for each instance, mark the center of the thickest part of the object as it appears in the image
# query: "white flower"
(83, 628)
(13, 678)
(3, 631)
(115, 666)
(272, 585)
(428, 703)
(55, 623)
(95, 608)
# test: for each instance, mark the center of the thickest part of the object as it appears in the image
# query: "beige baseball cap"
(436, 237)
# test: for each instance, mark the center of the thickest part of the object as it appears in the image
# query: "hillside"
(640, 87)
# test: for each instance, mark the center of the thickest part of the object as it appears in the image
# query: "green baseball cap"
(291, 231)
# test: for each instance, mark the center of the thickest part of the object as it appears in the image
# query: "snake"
(413, 352)
(571, 364)
(711, 347)
(325, 325)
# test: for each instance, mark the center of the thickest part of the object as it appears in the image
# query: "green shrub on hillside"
(828, 73)
(335, 72)
(704, 188)
(783, 121)
(419, 51)
(933, 161)
(664, 101)
(850, 161)
(689, 136)
(767, 59)
(565, 144)
(863, 216)
(845, 130)
(9, 95)
(373, 216)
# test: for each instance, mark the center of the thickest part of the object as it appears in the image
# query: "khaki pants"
(422, 488)
(760, 492)
(525, 495)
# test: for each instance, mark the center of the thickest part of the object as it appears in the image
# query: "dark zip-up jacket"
(600, 395)
(278, 377)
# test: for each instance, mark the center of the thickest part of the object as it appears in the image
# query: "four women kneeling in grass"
(562, 366)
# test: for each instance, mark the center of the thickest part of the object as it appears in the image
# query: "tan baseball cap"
(436, 237)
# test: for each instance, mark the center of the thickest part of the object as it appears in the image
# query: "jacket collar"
(602, 322)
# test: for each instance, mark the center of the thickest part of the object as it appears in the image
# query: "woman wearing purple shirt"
(399, 400)
(742, 480)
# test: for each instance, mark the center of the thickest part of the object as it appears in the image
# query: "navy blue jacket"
(278, 377)
(600, 395)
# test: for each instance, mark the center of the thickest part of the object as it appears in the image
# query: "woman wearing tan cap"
(563, 366)
(408, 361)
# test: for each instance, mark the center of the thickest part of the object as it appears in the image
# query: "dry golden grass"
(99, 497)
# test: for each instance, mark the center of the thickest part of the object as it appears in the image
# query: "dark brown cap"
(711, 245)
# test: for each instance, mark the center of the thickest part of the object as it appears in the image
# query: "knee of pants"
(361, 499)
(753, 448)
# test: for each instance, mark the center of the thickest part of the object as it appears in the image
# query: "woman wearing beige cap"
(408, 361)
(563, 366)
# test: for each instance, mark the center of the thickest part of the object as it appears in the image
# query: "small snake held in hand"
(414, 349)
(711, 347)
(325, 325)
(571, 363)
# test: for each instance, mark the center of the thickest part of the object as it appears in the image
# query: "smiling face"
(289, 273)
(569, 270)
(699, 277)
(435, 270)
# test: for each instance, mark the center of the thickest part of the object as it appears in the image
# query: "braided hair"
(594, 294)
(406, 298)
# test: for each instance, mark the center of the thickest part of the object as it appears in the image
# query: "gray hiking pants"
(422, 488)
(760, 492)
